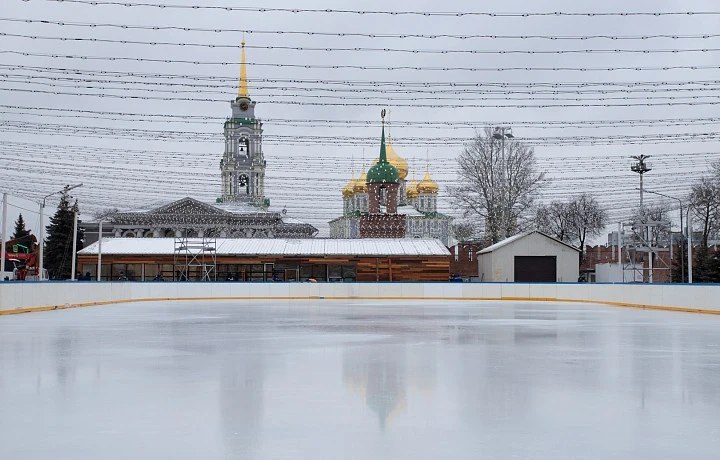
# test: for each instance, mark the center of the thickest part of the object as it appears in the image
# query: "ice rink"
(359, 380)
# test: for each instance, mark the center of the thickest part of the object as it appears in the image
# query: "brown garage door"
(535, 269)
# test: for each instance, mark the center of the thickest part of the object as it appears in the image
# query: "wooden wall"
(394, 268)
(427, 268)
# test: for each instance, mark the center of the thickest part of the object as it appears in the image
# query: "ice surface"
(359, 380)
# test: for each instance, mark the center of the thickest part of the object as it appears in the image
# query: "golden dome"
(427, 185)
(360, 185)
(396, 160)
(411, 189)
(348, 190)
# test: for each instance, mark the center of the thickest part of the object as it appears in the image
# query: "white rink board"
(61, 294)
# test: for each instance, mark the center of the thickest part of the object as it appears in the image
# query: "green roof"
(241, 121)
(383, 171)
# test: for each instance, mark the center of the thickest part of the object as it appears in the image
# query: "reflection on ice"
(362, 380)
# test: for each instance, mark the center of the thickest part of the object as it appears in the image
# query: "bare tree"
(497, 190)
(572, 221)
(463, 231)
(587, 219)
(554, 219)
(104, 214)
(705, 200)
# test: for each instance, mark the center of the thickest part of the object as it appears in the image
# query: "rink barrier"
(18, 297)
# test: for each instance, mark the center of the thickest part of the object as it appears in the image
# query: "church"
(382, 203)
(241, 210)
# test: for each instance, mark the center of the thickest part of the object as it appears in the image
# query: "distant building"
(529, 257)
(617, 273)
(600, 264)
(249, 259)
(463, 259)
(382, 203)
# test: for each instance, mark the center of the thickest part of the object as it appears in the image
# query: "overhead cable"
(263, 9)
(311, 33)
(328, 49)
(368, 67)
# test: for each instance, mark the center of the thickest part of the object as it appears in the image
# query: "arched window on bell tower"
(244, 182)
(244, 146)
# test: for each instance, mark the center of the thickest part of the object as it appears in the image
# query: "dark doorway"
(535, 269)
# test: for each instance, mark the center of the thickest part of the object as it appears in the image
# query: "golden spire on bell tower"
(243, 86)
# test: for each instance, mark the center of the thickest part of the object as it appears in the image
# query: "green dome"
(383, 171)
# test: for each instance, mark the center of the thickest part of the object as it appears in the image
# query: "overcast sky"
(132, 147)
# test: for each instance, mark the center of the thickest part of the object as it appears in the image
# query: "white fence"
(50, 295)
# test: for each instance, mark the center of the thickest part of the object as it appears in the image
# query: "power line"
(266, 90)
(294, 101)
(366, 67)
(454, 83)
(326, 123)
(184, 154)
(436, 141)
(390, 12)
(381, 96)
(379, 35)
(369, 49)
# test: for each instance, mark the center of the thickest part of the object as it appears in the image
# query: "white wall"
(502, 264)
(614, 273)
(64, 294)
(485, 269)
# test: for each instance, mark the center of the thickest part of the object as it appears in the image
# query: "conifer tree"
(678, 270)
(58, 247)
(21, 233)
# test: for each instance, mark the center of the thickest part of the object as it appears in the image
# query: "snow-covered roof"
(519, 236)
(237, 207)
(279, 246)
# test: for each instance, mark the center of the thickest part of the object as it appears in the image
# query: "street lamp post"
(41, 263)
(73, 261)
(99, 260)
(4, 233)
(682, 259)
(689, 238)
(500, 133)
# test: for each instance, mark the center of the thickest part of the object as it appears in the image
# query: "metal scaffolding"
(195, 258)
(638, 245)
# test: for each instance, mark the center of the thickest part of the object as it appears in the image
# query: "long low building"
(279, 259)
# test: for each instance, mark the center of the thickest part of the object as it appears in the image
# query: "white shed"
(529, 257)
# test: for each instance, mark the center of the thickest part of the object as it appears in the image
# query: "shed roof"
(520, 236)
(278, 246)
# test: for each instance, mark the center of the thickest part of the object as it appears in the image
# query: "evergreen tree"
(701, 266)
(714, 267)
(58, 247)
(21, 233)
(678, 269)
(706, 266)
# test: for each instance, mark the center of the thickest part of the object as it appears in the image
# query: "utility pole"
(73, 262)
(502, 132)
(641, 168)
(689, 221)
(99, 261)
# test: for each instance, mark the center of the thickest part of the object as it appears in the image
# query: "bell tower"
(242, 167)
